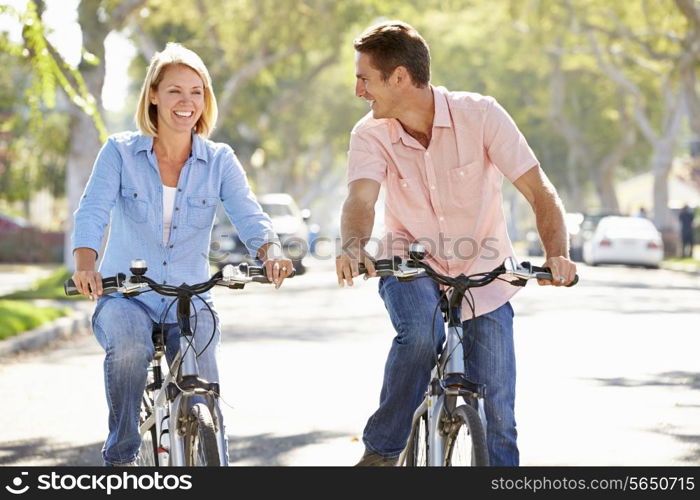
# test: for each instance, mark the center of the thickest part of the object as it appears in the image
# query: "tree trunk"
(84, 138)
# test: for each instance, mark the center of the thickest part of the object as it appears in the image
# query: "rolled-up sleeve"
(253, 225)
(365, 159)
(505, 144)
(92, 215)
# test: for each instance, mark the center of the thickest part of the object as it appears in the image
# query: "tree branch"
(628, 86)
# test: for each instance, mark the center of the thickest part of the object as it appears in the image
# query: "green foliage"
(18, 316)
(50, 287)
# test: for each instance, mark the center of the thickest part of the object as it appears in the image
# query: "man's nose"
(359, 88)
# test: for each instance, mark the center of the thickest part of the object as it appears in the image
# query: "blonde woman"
(158, 188)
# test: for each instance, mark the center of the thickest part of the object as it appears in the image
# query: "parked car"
(573, 222)
(624, 240)
(288, 222)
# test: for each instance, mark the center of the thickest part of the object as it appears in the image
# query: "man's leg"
(491, 361)
(413, 312)
(123, 329)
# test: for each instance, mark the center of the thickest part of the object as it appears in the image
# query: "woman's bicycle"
(180, 420)
(449, 426)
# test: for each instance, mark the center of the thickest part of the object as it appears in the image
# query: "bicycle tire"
(466, 442)
(148, 452)
(201, 449)
(417, 449)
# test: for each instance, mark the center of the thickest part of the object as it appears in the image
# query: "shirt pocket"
(466, 183)
(407, 198)
(200, 211)
(135, 204)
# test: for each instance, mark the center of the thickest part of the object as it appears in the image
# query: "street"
(608, 374)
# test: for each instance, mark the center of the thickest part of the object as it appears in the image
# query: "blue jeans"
(124, 330)
(412, 309)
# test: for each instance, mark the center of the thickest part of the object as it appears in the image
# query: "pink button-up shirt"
(447, 196)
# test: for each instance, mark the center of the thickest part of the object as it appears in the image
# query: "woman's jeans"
(124, 330)
(413, 312)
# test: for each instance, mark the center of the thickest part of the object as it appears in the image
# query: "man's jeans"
(124, 330)
(412, 309)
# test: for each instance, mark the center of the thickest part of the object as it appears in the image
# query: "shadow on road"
(262, 449)
(268, 449)
(670, 379)
(35, 451)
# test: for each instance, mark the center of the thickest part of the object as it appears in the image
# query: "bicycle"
(444, 432)
(199, 437)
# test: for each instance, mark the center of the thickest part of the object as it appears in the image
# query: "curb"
(684, 268)
(78, 322)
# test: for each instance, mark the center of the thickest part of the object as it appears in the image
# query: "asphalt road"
(607, 375)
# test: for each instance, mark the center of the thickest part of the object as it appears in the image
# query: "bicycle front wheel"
(417, 448)
(148, 453)
(201, 449)
(466, 441)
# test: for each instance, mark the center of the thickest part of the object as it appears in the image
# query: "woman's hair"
(175, 54)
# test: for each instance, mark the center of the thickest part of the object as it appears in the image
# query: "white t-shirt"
(168, 205)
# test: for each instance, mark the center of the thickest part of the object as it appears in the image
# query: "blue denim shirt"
(126, 191)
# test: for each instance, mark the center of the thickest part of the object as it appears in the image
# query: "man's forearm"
(356, 226)
(549, 216)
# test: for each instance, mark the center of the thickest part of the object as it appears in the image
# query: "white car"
(624, 240)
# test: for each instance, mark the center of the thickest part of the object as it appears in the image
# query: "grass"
(50, 287)
(687, 260)
(18, 316)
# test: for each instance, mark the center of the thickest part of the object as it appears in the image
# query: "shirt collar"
(199, 150)
(442, 111)
(441, 118)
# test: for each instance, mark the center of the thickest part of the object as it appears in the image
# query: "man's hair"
(147, 112)
(392, 44)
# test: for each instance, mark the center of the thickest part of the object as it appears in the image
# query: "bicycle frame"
(443, 393)
(171, 400)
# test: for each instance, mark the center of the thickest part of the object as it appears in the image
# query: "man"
(686, 217)
(441, 157)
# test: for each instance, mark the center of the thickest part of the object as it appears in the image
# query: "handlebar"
(408, 269)
(230, 276)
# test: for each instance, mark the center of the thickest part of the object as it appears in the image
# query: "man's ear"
(401, 76)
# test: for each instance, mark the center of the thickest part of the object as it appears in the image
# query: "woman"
(158, 189)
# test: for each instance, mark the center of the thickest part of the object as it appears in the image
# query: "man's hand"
(347, 266)
(563, 271)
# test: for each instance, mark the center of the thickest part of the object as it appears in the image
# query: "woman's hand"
(277, 267)
(88, 283)
(86, 279)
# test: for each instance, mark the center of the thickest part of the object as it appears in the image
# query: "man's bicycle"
(180, 421)
(449, 426)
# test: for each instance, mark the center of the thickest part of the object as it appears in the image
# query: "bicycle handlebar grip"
(263, 272)
(70, 288)
(549, 272)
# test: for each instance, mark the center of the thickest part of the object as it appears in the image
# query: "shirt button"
(441, 218)
(177, 208)
(432, 187)
(171, 246)
(162, 299)
(165, 263)
(174, 227)
(136, 195)
(461, 173)
(404, 184)
(179, 190)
